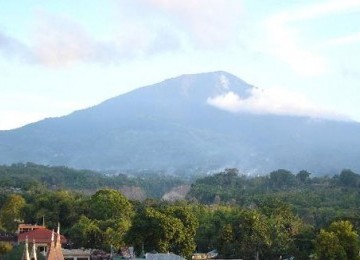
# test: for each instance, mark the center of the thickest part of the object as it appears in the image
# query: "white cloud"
(208, 23)
(140, 29)
(317, 9)
(13, 48)
(287, 43)
(344, 40)
(59, 41)
(272, 101)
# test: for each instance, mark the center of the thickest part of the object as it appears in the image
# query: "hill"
(170, 126)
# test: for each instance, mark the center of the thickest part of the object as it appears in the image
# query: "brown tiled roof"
(42, 235)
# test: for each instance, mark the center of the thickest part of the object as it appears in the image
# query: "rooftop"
(42, 235)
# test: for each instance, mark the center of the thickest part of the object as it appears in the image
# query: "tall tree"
(164, 230)
(12, 212)
(282, 179)
(328, 247)
(109, 204)
(108, 220)
(348, 237)
(340, 241)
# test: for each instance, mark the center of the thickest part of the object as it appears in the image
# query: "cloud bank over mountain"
(272, 101)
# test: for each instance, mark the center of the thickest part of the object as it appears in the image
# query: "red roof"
(41, 235)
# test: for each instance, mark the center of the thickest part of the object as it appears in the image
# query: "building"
(77, 254)
(28, 227)
(47, 242)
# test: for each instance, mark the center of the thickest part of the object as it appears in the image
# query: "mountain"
(170, 126)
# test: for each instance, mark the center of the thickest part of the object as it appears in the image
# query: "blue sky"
(61, 56)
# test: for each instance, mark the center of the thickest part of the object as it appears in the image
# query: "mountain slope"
(170, 126)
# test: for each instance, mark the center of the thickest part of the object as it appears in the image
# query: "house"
(43, 240)
(28, 227)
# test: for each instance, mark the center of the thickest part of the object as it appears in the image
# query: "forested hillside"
(317, 200)
(276, 215)
(29, 175)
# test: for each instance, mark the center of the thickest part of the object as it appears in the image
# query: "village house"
(42, 237)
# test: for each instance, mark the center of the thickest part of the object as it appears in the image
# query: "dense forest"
(281, 214)
(29, 175)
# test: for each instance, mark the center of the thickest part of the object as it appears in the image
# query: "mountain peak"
(189, 88)
(172, 126)
(200, 87)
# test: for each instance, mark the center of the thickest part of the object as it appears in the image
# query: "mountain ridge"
(170, 126)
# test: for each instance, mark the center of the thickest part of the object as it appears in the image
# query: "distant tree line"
(265, 217)
(29, 175)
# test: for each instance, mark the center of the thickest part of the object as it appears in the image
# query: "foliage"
(271, 216)
(340, 241)
(109, 204)
(28, 176)
(11, 212)
(349, 179)
(5, 247)
(328, 247)
(168, 229)
(110, 215)
(86, 233)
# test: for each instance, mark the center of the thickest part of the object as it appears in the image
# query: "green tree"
(108, 219)
(328, 247)
(171, 229)
(226, 244)
(186, 244)
(282, 179)
(55, 206)
(340, 241)
(112, 212)
(303, 176)
(348, 238)
(252, 234)
(210, 222)
(5, 247)
(245, 234)
(349, 178)
(12, 212)
(283, 225)
(110, 204)
(86, 233)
